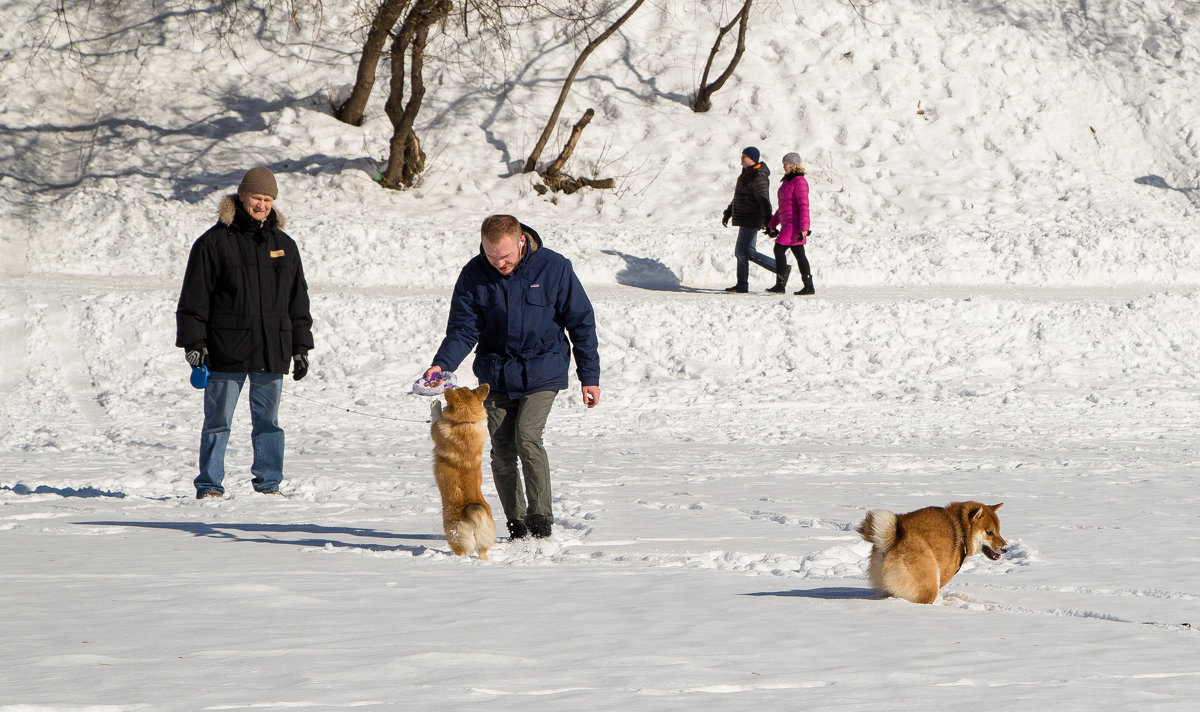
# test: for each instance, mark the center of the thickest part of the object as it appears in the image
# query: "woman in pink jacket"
(789, 225)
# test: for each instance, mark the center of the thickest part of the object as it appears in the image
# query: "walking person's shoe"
(737, 290)
(517, 529)
(539, 525)
(808, 285)
(205, 494)
(781, 279)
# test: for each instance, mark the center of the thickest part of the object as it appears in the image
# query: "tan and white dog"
(913, 555)
(459, 433)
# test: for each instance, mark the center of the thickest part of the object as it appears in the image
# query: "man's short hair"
(497, 227)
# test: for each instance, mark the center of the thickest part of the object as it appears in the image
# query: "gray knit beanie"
(259, 180)
(793, 159)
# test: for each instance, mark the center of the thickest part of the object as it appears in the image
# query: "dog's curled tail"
(879, 528)
(485, 527)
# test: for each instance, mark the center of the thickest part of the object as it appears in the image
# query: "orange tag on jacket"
(277, 253)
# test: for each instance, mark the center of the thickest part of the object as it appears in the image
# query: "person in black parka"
(749, 210)
(243, 313)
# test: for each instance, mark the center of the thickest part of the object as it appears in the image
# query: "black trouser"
(798, 251)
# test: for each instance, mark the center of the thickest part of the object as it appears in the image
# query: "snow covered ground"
(1006, 311)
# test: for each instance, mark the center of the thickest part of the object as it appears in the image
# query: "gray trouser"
(516, 427)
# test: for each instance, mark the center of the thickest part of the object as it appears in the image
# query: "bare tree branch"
(531, 162)
(703, 101)
(569, 148)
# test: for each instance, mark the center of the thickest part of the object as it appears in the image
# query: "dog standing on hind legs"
(459, 433)
(913, 555)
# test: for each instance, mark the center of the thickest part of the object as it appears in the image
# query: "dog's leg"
(912, 577)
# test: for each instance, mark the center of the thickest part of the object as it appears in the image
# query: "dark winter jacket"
(519, 324)
(244, 294)
(751, 205)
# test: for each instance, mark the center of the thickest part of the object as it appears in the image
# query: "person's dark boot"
(808, 285)
(737, 290)
(517, 529)
(781, 279)
(539, 525)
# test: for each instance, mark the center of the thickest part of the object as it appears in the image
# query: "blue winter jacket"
(519, 324)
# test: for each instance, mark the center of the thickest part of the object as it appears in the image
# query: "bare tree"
(556, 180)
(703, 99)
(406, 159)
(531, 162)
(352, 109)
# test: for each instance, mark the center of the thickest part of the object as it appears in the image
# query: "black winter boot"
(781, 279)
(517, 529)
(539, 525)
(808, 285)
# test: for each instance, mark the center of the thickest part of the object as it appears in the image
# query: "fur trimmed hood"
(228, 210)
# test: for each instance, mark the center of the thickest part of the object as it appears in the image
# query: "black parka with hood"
(244, 294)
(751, 204)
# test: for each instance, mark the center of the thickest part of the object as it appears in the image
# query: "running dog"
(913, 555)
(459, 433)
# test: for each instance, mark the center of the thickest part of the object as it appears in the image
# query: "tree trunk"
(568, 149)
(352, 109)
(531, 162)
(405, 159)
(703, 101)
(553, 177)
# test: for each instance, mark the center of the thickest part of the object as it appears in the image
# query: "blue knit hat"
(751, 152)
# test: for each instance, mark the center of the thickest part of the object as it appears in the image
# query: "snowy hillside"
(1037, 131)
(1005, 203)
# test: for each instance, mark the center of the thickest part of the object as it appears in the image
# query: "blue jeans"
(746, 252)
(266, 437)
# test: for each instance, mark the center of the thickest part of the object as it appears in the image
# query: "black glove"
(300, 366)
(771, 232)
(196, 355)
(725, 217)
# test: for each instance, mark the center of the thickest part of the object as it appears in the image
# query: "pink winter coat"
(792, 216)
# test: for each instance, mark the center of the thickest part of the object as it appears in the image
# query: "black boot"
(517, 529)
(808, 285)
(539, 525)
(781, 279)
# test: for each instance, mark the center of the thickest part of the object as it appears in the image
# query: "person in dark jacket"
(243, 313)
(749, 210)
(516, 303)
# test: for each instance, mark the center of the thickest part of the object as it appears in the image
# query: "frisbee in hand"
(435, 385)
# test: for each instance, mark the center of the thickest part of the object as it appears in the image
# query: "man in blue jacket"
(515, 303)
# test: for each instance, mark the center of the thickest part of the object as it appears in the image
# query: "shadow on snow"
(831, 593)
(272, 533)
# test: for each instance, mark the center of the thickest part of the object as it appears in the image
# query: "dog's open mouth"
(991, 553)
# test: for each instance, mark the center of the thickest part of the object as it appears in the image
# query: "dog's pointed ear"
(975, 513)
(435, 411)
(483, 390)
(997, 506)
